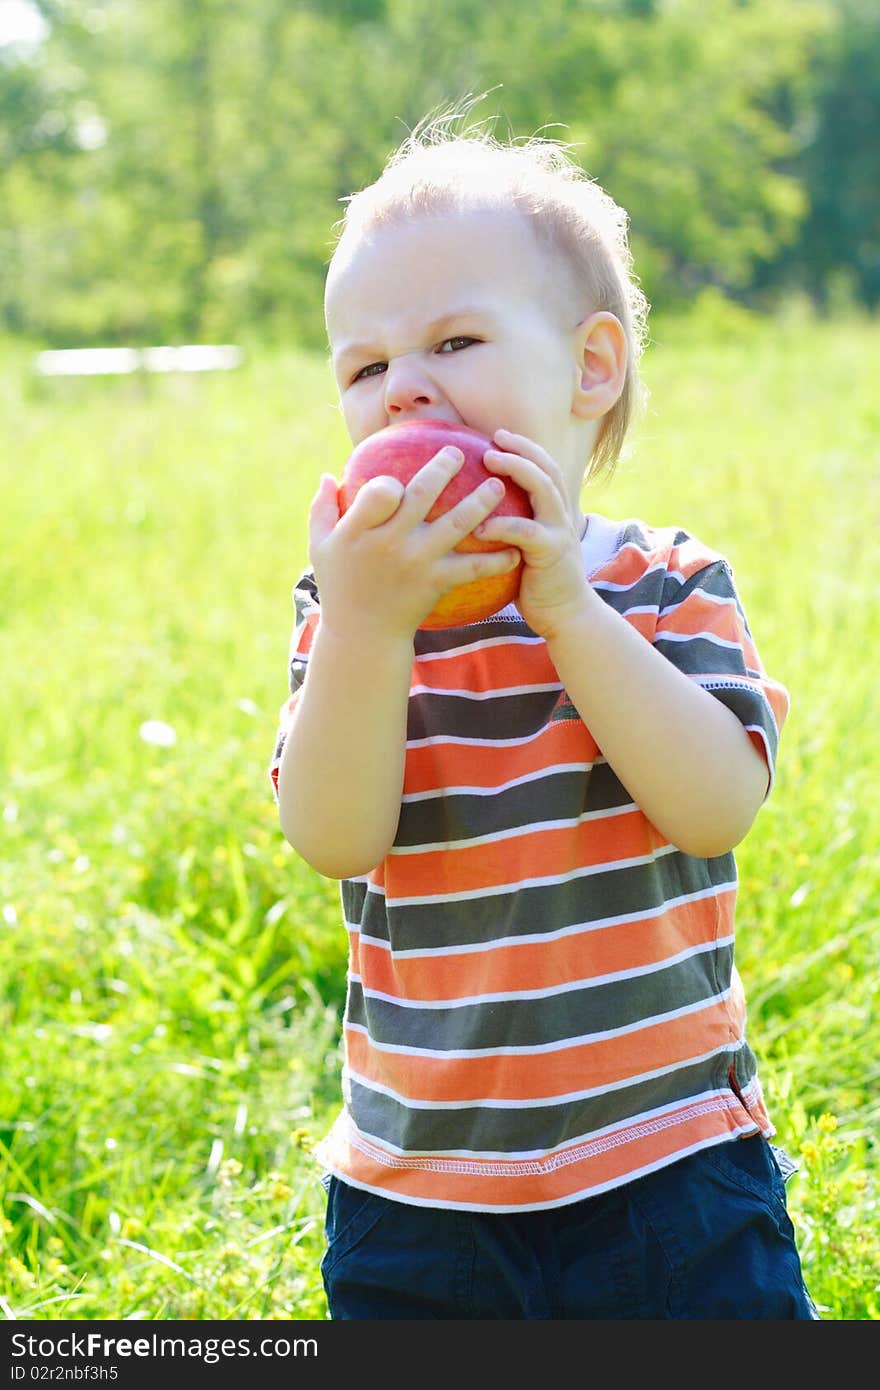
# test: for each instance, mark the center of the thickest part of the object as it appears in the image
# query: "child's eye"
(456, 344)
(372, 370)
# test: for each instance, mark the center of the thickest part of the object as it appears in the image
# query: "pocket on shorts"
(351, 1215)
(784, 1162)
(759, 1273)
(751, 1166)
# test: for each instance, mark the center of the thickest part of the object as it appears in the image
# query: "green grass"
(173, 976)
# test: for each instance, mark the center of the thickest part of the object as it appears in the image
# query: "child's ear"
(601, 358)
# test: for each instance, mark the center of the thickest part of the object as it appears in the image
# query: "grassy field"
(171, 975)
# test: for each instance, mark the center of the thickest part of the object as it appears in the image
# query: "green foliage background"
(170, 171)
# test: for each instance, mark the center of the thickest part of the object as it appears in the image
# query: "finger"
(543, 485)
(452, 527)
(324, 511)
(510, 443)
(521, 531)
(375, 503)
(464, 569)
(521, 444)
(427, 484)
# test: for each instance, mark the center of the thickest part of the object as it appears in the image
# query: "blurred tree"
(37, 138)
(173, 171)
(839, 245)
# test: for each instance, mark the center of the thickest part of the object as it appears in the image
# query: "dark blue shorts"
(708, 1236)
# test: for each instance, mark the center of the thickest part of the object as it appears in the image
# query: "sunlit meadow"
(171, 975)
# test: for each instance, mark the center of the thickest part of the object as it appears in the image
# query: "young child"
(550, 1106)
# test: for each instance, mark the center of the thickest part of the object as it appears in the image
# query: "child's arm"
(684, 757)
(341, 772)
(379, 570)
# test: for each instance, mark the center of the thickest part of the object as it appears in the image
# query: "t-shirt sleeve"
(703, 630)
(306, 614)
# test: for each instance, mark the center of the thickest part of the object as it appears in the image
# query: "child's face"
(456, 316)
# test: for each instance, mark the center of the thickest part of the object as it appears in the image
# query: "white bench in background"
(119, 361)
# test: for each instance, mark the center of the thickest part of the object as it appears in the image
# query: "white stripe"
(722, 600)
(538, 1103)
(495, 890)
(531, 828)
(578, 929)
(539, 1049)
(696, 637)
(451, 740)
(746, 680)
(592, 1136)
(499, 693)
(551, 992)
(468, 647)
(553, 770)
(639, 608)
(612, 587)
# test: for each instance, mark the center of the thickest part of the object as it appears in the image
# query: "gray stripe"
(751, 708)
(521, 1128)
(530, 1022)
(696, 655)
(644, 592)
(614, 892)
(431, 715)
(555, 796)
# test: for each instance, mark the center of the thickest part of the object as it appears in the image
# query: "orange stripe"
(690, 556)
(699, 614)
(306, 635)
(572, 1171)
(495, 668)
(644, 623)
(629, 564)
(449, 764)
(779, 700)
(542, 964)
(541, 1075)
(534, 854)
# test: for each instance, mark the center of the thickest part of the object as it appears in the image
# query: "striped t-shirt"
(542, 1001)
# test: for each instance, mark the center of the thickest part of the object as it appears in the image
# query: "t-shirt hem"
(459, 1184)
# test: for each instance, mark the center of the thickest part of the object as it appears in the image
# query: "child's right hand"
(382, 565)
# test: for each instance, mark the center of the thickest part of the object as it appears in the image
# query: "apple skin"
(399, 451)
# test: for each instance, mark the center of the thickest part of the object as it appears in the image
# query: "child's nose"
(408, 386)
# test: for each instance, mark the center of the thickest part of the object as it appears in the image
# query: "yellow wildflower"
(20, 1272)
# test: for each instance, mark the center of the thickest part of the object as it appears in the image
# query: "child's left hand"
(554, 588)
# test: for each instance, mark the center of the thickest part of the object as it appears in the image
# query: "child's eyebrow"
(351, 348)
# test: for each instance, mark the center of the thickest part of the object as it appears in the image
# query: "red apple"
(399, 451)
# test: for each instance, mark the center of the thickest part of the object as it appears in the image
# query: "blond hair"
(436, 170)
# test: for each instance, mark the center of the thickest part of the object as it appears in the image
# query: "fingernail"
(453, 454)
